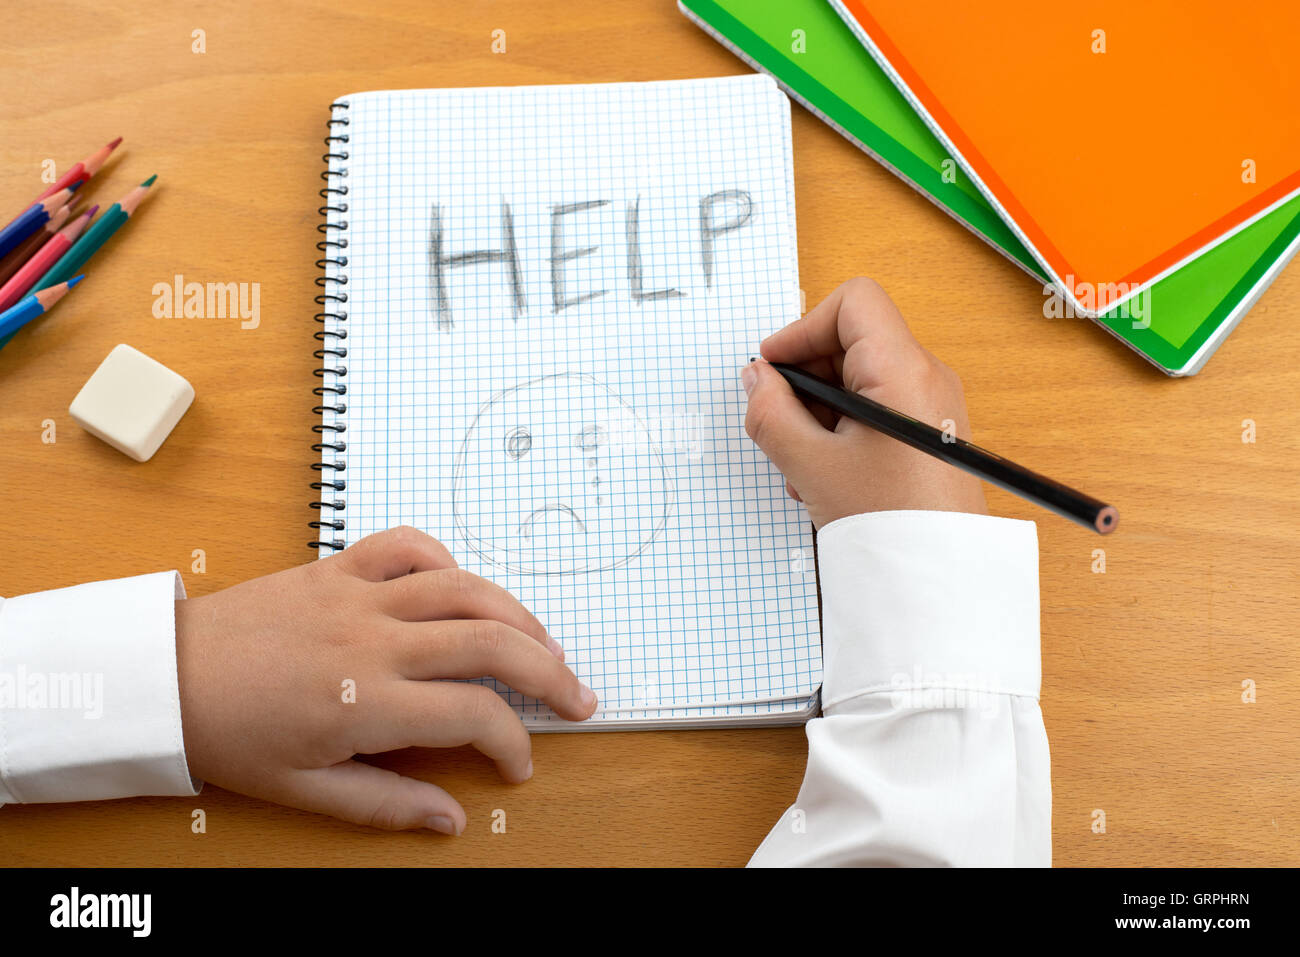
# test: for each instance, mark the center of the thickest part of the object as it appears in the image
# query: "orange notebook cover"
(1118, 139)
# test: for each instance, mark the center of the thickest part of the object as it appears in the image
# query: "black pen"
(993, 469)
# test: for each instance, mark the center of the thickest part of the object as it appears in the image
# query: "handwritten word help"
(718, 214)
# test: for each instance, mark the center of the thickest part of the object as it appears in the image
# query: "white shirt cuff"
(949, 600)
(89, 700)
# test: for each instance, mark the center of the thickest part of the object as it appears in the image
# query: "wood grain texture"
(1143, 665)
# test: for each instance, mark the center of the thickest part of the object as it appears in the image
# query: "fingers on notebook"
(374, 797)
(857, 311)
(455, 593)
(474, 649)
(393, 553)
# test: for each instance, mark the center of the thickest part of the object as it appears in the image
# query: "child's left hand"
(265, 669)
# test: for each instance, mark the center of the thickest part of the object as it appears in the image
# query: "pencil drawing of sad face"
(560, 476)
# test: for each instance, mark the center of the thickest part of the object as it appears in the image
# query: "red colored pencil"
(14, 259)
(82, 171)
(36, 267)
(78, 174)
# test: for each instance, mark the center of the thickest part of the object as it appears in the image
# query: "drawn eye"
(590, 438)
(518, 441)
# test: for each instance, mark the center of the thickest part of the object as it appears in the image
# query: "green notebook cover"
(809, 50)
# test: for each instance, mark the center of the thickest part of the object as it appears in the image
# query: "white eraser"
(132, 402)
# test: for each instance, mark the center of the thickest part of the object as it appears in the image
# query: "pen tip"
(149, 181)
(114, 145)
(90, 213)
(73, 282)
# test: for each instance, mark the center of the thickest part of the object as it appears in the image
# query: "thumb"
(375, 797)
(779, 423)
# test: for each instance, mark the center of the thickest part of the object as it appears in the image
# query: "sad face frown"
(560, 476)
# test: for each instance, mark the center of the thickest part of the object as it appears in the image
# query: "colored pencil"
(34, 305)
(95, 237)
(16, 257)
(80, 172)
(1061, 499)
(36, 216)
(46, 257)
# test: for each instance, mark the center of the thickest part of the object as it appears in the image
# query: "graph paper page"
(551, 291)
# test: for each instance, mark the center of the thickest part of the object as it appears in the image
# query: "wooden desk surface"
(1143, 665)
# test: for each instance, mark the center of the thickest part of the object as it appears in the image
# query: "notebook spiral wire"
(332, 337)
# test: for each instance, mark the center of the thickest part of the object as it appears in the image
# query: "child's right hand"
(839, 468)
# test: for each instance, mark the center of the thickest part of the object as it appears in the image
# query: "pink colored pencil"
(14, 259)
(36, 267)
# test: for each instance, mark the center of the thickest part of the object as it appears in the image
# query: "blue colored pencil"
(37, 304)
(36, 216)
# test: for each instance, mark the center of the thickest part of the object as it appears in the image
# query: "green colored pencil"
(99, 233)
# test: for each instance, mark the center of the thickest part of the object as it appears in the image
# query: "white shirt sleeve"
(931, 749)
(89, 701)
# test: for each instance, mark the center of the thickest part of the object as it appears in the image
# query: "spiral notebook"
(535, 305)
